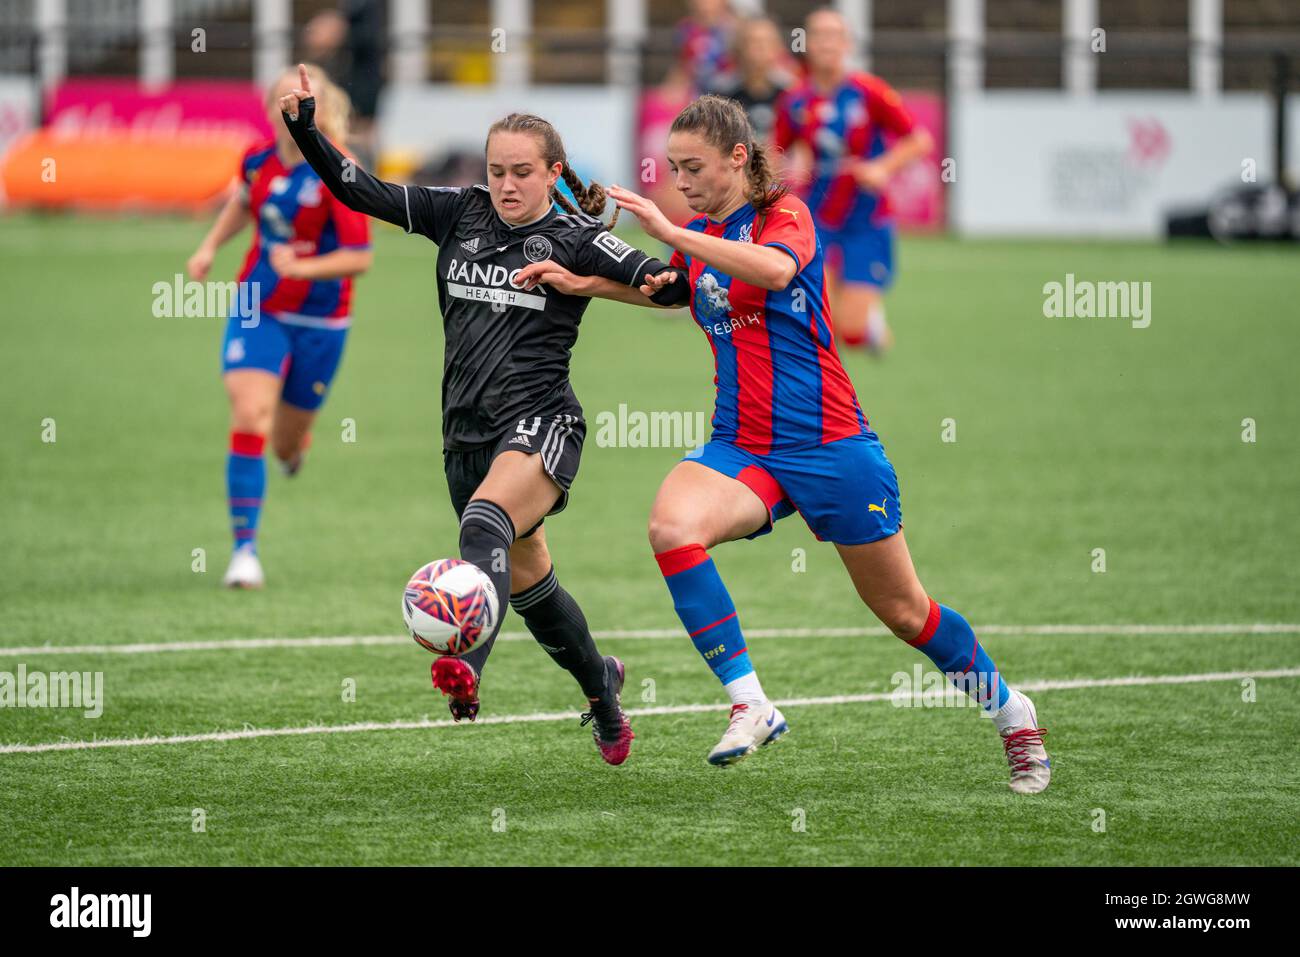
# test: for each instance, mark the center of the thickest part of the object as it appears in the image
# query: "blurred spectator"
(350, 42)
(703, 41)
(761, 73)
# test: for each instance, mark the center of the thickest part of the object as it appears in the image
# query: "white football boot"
(750, 727)
(1031, 768)
(290, 467)
(245, 569)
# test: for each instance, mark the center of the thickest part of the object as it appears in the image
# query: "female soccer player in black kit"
(512, 428)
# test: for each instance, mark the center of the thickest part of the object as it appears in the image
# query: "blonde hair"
(333, 105)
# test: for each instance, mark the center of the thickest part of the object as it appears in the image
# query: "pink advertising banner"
(120, 145)
(916, 195)
(87, 107)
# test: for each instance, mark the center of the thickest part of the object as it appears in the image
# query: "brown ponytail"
(723, 123)
(591, 198)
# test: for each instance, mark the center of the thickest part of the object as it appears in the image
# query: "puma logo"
(792, 212)
(873, 507)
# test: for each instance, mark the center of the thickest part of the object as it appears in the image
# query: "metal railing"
(909, 59)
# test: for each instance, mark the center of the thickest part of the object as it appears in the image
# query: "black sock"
(559, 626)
(486, 534)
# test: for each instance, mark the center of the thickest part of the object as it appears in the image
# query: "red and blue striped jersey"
(293, 206)
(780, 384)
(705, 54)
(850, 121)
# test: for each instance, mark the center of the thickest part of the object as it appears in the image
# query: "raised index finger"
(304, 81)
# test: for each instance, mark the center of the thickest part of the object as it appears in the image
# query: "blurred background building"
(1105, 117)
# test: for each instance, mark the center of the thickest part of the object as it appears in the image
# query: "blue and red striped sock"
(949, 641)
(245, 484)
(702, 603)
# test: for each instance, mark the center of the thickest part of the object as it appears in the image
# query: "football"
(449, 605)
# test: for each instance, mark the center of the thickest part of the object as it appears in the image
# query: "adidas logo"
(470, 245)
(521, 439)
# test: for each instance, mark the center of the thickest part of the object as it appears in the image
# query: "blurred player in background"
(350, 41)
(834, 125)
(703, 40)
(279, 361)
(761, 73)
(788, 435)
(512, 427)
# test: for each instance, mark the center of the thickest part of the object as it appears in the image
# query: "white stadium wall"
(18, 100)
(597, 123)
(1113, 164)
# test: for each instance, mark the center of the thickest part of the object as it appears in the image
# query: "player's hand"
(289, 102)
(551, 273)
(285, 261)
(870, 175)
(200, 263)
(651, 217)
(798, 165)
(653, 284)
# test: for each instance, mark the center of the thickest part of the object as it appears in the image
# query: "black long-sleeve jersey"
(507, 349)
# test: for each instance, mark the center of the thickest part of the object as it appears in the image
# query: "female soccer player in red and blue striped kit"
(788, 434)
(837, 120)
(283, 345)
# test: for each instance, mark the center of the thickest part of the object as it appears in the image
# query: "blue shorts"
(305, 357)
(861, 255)
(845, 490)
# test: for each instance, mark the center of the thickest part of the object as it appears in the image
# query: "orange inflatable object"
(115, 170)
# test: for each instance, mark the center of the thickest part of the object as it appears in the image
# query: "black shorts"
(556, 437)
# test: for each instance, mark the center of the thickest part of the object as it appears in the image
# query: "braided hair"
(590, 198)
(723, 123)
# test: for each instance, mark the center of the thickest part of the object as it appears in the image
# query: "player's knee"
(667, 532)
(251, 415)
(904, 615)
(486, 528)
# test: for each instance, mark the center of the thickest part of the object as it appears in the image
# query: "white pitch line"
(1068, 684)
(347, 641)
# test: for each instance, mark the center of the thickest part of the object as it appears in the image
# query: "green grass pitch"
(1071, 435)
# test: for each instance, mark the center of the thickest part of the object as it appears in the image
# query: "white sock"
(746, 690)
(1013, 714)
(876, 324)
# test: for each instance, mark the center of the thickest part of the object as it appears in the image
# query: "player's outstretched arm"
(764, 266)
(234, 216)
(339, 264)
(563, 280)
(354, 187)
(873, 175)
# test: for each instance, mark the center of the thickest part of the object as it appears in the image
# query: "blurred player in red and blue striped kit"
(788, 435)
(284, 341)
(703, 40)
(833, 125)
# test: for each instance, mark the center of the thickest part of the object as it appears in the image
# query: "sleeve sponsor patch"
(612, 246)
